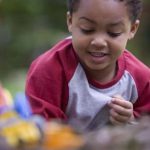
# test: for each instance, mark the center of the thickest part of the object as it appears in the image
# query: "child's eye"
(112, 34)
(87, 31)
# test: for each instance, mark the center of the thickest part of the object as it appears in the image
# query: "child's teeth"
(98, 54)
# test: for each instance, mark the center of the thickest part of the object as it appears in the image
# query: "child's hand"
(121, 111)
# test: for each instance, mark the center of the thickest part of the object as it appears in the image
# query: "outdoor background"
(30, 27)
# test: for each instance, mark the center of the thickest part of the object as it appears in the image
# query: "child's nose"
(99, 41)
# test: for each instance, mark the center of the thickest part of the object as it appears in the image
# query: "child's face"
(100, 31)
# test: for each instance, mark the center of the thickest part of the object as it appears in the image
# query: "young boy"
(90, 79)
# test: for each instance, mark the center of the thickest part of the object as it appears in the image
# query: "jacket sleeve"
(46, 88)
(142, 105)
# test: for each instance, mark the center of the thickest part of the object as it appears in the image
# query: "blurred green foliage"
(30, 27)
(27, 28)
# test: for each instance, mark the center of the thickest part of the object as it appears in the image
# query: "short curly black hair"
(135, 7)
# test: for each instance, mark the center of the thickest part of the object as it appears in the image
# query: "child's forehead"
(92, 4)
(84, 2)
(103, 11)
(102, 7)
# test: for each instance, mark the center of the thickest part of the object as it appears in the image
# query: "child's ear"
(134, 28)
(69, 21)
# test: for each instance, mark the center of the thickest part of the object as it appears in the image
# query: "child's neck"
(103, 76)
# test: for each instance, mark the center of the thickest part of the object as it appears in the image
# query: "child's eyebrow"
(87, 19)
(117, 23)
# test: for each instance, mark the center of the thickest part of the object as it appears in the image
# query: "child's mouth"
(98, 54)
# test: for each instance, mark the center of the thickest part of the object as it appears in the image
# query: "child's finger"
(114, 121)
(117, 96)
(118, 117)
(122, 102)
(122, 110)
